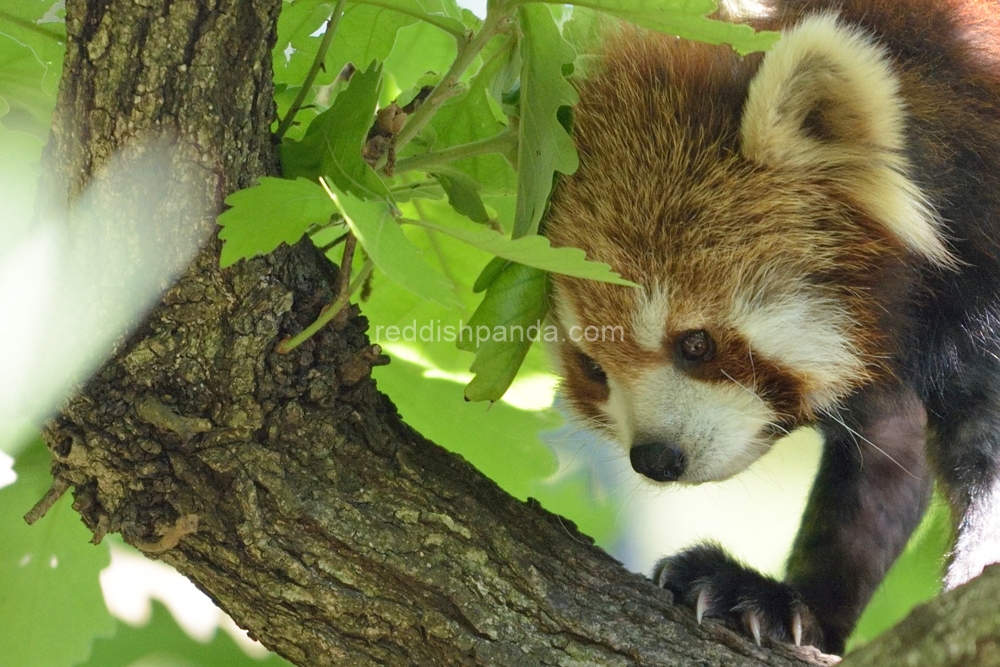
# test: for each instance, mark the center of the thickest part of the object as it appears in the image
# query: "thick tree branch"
(959, 629)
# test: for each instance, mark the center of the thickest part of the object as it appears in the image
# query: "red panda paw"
(716, 585)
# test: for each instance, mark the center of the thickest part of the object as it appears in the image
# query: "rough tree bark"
(959, 629)
(287, 487)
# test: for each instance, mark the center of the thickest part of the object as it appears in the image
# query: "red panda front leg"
(871, 490)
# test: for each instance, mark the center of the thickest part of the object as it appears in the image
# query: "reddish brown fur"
(662, 192)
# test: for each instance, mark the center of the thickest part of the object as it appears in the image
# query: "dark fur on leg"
(871, 491)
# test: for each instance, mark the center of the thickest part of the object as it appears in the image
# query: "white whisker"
(858, 436)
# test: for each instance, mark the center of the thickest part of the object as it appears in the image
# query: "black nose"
(659, 461)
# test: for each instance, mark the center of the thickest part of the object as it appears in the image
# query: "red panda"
(816, 234)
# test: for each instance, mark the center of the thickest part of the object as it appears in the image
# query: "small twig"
(334, 243)
(317, 64)
(41, 508)
(103, 526)
(467, 51)
(329, 312)
(346, 260)
(360, 365)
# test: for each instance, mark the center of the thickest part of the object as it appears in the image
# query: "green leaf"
(51, 607)
(441, 14)
(472, 116)
(534, 251)
(489, 273)
(419, 48)
(464, 197)
(19, 169)
(395, 255)
(32, 42)
(391, 304)
(161, 642)
(504, 434)
(273, 212)
(585, 31)
(366, 32)
(544, 145)
(332, 145)
(295, 47)
(686, 18)
(514, 302)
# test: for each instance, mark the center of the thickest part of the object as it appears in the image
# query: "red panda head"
(765, 205)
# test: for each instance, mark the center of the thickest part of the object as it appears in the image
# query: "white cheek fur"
(719, 426)
(808, 335)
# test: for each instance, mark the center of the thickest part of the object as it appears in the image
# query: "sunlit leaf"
(332, 145)
(686, 18)
(379, 234)
(506, 446)
(464, 197)
(544, 145)
(32, 42)
(534, 251)
(489, 273)
(273, 212)
(514, 303)
(163, 643)
(419, 48)
(471, 117)
(391, 304)
(50, 598)
(365, 32)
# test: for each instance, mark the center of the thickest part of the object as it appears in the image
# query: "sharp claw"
(702, 605)
(752, 620)
(797, 627)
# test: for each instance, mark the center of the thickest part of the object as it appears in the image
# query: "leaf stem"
(317, 64)
(498, 143)
(468, 49)
(330, 311)
(426, 18)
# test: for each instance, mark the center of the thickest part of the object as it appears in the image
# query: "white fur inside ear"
(826, 99)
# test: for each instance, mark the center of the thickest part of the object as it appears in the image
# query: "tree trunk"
(286, 486)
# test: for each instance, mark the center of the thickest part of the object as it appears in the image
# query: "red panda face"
(763, 206)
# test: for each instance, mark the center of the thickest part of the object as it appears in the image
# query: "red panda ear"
(826, 99)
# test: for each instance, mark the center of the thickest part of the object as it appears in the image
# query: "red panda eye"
(591, 369)
(697, 345)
